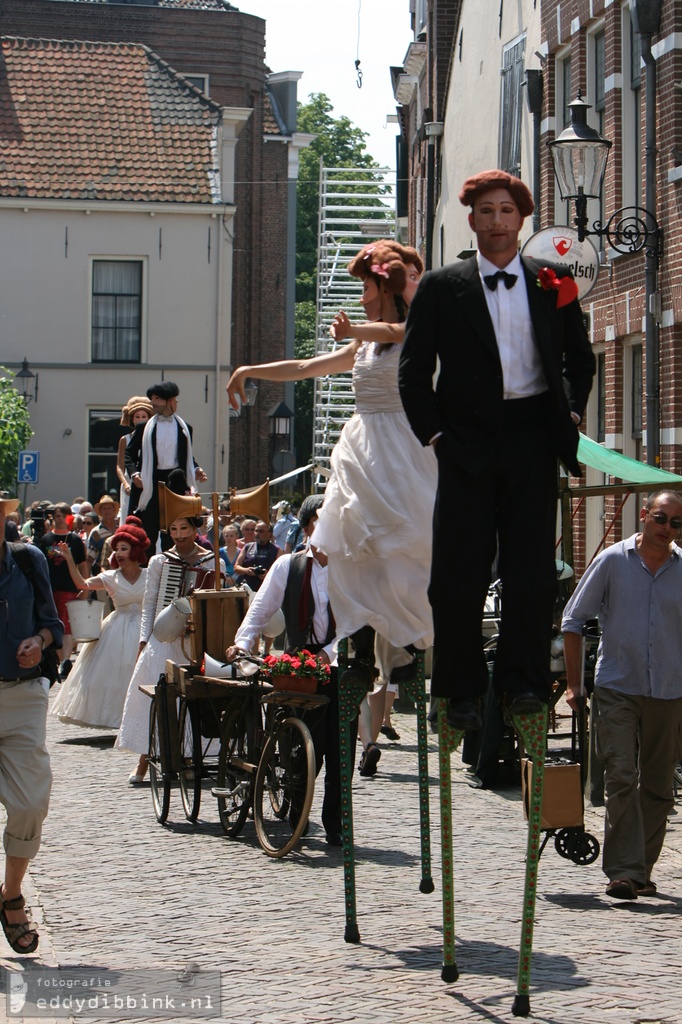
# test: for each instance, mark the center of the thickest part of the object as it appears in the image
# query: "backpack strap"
(23, 559)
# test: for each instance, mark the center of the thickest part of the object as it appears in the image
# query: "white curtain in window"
(116, 310)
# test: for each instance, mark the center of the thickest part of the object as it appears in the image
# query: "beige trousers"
(25, 776)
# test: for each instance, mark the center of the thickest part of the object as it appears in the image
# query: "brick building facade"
(456, 76)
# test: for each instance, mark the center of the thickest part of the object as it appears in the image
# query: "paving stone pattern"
(115, 889)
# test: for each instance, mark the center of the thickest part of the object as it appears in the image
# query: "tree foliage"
(15, 430)
(304, 348)
(339, 143)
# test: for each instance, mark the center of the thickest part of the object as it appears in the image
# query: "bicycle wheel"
(236, 740)
(160, 786)
(191, 761)
(283, 792)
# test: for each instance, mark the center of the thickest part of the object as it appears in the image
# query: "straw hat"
(105, 500)
(8, 505)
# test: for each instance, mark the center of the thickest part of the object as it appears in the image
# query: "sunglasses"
(661, 518)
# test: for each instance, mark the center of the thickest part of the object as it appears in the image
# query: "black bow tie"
(492, 279)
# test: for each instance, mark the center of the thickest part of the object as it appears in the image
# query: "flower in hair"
(380, 268)
(566, 288)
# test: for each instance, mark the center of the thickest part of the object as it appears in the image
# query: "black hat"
(164, 389)
(309, 508)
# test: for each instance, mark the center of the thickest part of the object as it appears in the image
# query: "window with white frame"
(116, 327)
(564, 212)
(198, 81)
(511, 107)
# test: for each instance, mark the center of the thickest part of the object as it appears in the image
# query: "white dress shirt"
(522, 372)
(270, 599)
(166, 442)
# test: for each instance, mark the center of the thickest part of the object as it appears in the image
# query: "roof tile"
(102, 120)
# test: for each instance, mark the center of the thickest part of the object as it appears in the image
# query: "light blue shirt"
(640, 616)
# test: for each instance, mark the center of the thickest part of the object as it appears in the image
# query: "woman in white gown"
(153, 653)
(94, 693)
(375, 524)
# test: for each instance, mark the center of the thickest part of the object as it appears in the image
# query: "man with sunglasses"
(257, 555)
(634, 589)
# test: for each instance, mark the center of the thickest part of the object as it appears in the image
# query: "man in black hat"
(157, 447)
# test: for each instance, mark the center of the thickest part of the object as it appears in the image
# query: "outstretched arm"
(378, 332)
(289, 369)
(93, 583)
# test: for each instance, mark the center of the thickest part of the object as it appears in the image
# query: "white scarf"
(147, 471)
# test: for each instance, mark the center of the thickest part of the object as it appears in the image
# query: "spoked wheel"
(585, 849)
(234, 748)
(576, 845)
(285, 782)
(160, 786)
(562, 843)
(191, 760)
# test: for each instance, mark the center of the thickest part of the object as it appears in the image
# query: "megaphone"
(252, 503)
(177, 506)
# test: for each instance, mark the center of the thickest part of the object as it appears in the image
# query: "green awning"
(595, 455)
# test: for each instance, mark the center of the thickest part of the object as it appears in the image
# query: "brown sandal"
(15, 932)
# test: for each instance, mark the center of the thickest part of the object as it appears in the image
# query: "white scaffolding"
(356, 206)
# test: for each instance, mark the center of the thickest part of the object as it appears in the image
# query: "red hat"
(132, 533)
(479, 184)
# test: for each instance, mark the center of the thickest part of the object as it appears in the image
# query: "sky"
(323, 38)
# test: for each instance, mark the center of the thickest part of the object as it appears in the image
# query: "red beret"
(479, 184)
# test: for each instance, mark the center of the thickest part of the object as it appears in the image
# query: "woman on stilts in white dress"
(94, 693)
(382, 487)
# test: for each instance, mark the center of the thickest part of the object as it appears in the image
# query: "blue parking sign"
(27, 470)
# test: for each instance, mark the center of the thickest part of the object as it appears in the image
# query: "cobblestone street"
(114, 889)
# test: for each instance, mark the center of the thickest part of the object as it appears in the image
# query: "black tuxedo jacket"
(133, 453)
(449, 321)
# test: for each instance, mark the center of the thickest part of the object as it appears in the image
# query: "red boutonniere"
(566, 288)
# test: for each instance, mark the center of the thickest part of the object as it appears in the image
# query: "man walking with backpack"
(28, 624)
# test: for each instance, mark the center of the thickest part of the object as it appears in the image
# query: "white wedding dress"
(375, 524)
(134, 732)
(95, 690)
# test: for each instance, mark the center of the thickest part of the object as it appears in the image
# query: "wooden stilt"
(533, 732)
(448, 741)
(349, 700)
(416, 690)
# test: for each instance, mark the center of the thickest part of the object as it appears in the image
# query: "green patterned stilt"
(349, 701)
(533, 731)
(448, 741)
(416, 690)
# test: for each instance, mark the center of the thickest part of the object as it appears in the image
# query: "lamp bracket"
(630, 229)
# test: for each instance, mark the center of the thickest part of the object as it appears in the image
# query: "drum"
(216, 617)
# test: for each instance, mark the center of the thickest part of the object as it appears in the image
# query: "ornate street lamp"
(579, 157)
(25, 375)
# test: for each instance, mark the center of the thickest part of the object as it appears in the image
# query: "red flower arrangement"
(566, 288)
(304, 664)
